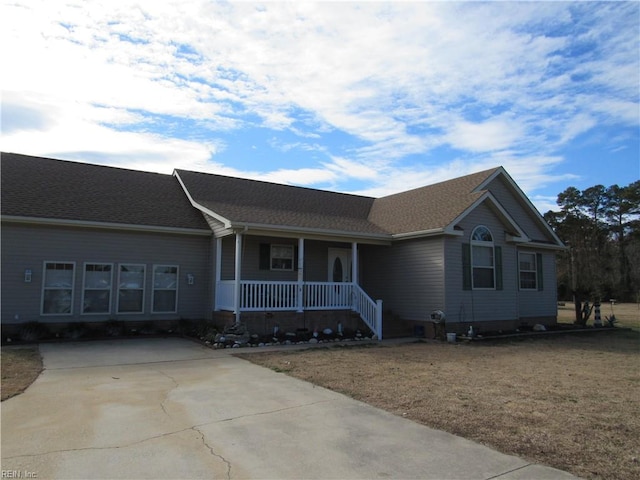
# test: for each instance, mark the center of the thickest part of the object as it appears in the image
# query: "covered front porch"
(288, 278)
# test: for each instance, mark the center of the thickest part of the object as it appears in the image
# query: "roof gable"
(509, 194)
(43, 188)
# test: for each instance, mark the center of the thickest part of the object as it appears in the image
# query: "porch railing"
(256, 295)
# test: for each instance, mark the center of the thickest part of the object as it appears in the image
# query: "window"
(530, 270)
(96, 296)
(482, 258)
(131, 288)
(57, 293)
(282, 257)
(165, 289)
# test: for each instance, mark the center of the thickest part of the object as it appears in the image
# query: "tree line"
(601, 228)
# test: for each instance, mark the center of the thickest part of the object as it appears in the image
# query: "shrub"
(75, 330)
(114, 328)
(33, 331)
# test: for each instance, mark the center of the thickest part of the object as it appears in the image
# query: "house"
(90, 243)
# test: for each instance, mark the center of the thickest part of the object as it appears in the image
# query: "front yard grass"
(20, 367)
(570, 401)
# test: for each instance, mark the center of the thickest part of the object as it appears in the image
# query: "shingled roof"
(429, 208)
(242, 202)
(35, 187)
(43, 188)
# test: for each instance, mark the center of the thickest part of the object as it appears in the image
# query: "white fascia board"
(545, 246)
(524, 198)
(61, 222)
(427, 233)
(225, 221)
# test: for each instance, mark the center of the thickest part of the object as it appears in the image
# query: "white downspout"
(238, 268)
(354, 274)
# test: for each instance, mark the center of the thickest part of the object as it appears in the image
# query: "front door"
(339, 265)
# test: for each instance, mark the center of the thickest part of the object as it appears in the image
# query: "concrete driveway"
(170, 408)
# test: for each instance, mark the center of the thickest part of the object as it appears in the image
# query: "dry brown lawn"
(571, 401)
(20, 367)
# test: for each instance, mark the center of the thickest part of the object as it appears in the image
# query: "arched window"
(483, 259)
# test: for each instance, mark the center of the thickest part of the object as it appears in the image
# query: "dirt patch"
(20, 368)
(568, 401)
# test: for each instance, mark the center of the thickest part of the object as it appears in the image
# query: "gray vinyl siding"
(534, 303)
(408, 277)
(315, 258)
(523, 216)
(28, 246)
(467, 306)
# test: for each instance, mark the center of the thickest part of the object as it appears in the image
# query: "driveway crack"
(509, 471)
(204, 442)
(166, 396)
(271, 411)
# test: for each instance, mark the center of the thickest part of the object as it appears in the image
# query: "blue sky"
(369, 98)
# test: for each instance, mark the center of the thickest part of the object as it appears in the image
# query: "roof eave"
(288, 230)
(546, 246)
(432, 232)
(63, 222)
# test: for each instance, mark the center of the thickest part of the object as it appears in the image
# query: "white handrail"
(258, 295)
(370, 311)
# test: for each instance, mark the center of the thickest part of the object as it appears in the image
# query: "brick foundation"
(262, 323)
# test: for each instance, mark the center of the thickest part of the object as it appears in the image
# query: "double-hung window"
(96, 297)
(165, 289)
(482, 259)
(530, 271)
(131, 288)
(57, 293)
(282, 257)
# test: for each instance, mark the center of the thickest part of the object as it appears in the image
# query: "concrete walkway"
(170, 408)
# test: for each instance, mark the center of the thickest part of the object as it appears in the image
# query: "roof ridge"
(483, 175)
(85, 164)
(267, 182)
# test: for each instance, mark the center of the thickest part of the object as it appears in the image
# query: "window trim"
(85, 289)
(534, 270)
(483, 244)
(154, 289)
(44, 287)
(271, 257)
(143, 288)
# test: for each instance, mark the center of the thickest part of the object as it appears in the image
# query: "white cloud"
(488, 136)
(499, 81)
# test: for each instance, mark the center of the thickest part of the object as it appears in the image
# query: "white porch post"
(300, 298)
(354, 273)
(379, 319)
(238, 268)
(354, 263)
(218, 267)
